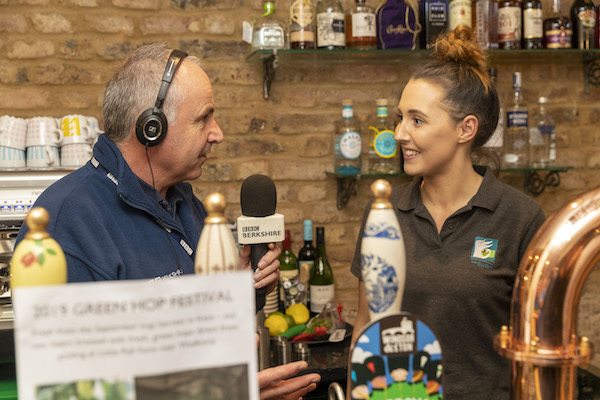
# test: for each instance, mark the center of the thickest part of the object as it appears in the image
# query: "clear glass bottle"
(288, 265)
(321, 289)
(533, 24)
(558, 29)
(268, 32)
(302, 25)
(347, 142)
(510, 23)
(484, 14)
(583, 18)
(516, 136)
(331, 33)
(542, 137)
(383, 150)
(361, 27)
(433, 16)
(493, 148)
(459, 13)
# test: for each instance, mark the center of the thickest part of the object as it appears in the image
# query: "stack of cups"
(78, 137)
(43, 142)
(13, 132)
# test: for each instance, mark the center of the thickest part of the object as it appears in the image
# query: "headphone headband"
(174, 60)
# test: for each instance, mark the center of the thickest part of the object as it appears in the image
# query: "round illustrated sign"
(385, 144)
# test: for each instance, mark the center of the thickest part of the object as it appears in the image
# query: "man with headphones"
(128, 214)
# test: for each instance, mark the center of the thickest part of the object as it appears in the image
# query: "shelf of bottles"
(271, 59)
(537, 179)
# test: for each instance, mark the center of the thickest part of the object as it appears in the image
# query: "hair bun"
(460, 46)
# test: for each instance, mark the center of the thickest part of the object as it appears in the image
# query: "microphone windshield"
(258, 196)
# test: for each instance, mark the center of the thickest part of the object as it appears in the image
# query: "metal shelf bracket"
(269, 66)
(346, 186)
(591, 71)
(535, 185)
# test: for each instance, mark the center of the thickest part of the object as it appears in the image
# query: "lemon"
(276, 313)
(300, 313)
(276, 324)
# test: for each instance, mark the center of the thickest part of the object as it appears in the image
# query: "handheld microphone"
(259, 225)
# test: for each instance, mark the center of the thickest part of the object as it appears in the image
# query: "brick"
(218, 24)
(239, 74)
(137, 4)
(117, 50)
(235, 146)
(359, 95)
(15, 23)
(312, 192)
(62, 73)
(51, 23)
(357, 73)
(234, 96)
(164, 24)
(24, 50)
(312, 145)
(25, 98)
(80, 3)
(215, 50)
(219, 4)
(111, 24)
(285, 169)
(34, 2)
(217, 172)
(299, 96)
(76, 100)
(75, 49)
(247, 168)
(284, 123)
(292, 214)
(13, 74)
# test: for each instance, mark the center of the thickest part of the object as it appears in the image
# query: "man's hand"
(267, 273)
(277, 383)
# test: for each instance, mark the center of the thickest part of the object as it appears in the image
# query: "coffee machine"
(18, 191)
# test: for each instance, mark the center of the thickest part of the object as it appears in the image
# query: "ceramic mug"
(75, 154)
(42, 156)
(11, 157)
(43, 131)
(13, 132)
(75, 129)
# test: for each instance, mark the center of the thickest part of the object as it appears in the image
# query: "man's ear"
(468, 129)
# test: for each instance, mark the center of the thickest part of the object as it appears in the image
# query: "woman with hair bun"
(465, 232)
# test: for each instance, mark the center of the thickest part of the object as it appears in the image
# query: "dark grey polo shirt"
(460, 281)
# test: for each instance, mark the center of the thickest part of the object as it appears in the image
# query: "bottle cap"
(517, 80)
(346, 102)
(382, 102)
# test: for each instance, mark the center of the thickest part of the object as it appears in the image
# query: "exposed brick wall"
(56, 55)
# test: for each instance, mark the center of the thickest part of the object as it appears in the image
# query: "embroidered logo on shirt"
(484, 252)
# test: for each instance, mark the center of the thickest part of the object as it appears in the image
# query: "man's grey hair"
(133, 88)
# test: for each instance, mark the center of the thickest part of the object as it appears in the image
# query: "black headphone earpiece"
(151, 126)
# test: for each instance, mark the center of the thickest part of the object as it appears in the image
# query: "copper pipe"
(542, 340)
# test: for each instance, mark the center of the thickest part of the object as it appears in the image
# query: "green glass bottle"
(321, 277)
(288, 266)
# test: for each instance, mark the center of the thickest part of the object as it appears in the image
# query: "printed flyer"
(192, 337)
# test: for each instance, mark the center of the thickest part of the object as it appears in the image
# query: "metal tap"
(542, 340)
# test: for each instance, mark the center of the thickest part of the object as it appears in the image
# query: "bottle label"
(382, 112)
(559, 39)
(438, 14)
(509, 24)
(347, 112)
(350, 145)
(302, 12)
(546, 129)
(363, 25)
(460, 13)
(516, 119)
(384, 143)
(330, 29)
(285, 275)
(320, 296)
(482, 25)
(533, 23)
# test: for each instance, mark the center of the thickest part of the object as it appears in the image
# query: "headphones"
(151, 126)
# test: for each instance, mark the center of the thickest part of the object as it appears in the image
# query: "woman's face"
(426, 132)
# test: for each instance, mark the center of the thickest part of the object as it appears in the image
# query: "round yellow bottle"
(38, 259)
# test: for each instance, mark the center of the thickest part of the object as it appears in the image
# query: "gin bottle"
(268, 32)
(542, 136)
(516, 139)
(331, 32)
(347, 142)
(383, 150)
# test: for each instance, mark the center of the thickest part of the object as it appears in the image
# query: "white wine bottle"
(321, 277)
